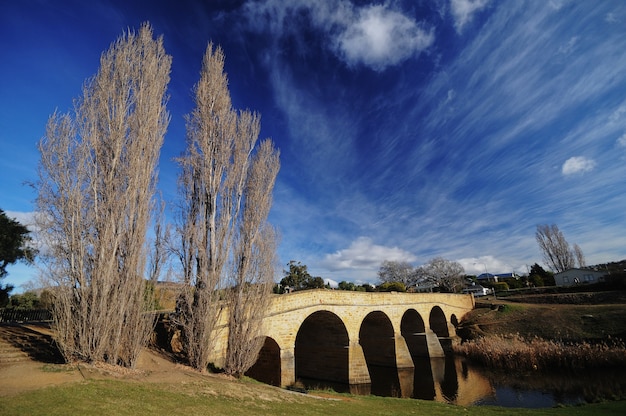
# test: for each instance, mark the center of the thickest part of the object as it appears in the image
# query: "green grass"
(551, 321)
(119, 397)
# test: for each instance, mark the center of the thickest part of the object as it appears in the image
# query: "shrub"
(392, 287)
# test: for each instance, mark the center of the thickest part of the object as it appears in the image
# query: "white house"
(573, 277)
(477, 290)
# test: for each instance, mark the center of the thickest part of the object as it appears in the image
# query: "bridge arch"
(377, 338)
(438, 323)
(321, 348)
(413, 329)
(267, 368)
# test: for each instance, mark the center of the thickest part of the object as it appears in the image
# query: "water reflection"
(454, 380)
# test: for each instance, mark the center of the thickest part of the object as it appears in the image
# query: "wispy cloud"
(577, 165)
(611, 18)
(463, 11)
(453, 176)
(622, 140)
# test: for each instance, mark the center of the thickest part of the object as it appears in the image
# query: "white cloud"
(375, 35)
(25, 218)
(463, 11)
(622, 141)
(332, 283)
(489, 264)
(364, 254)
(380, 37)
(577, 164)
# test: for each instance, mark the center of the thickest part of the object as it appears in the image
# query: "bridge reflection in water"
(442, 379)
(382, 344)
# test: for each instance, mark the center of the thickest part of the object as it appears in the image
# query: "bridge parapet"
(306, 298)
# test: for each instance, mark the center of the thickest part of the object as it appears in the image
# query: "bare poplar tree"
(225, 198)
(97, 177)
(252, 276)
(556, 250)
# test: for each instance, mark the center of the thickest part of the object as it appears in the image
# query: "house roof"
(485, 276)
(581, 270)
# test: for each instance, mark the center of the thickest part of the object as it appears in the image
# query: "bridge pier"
(403, 355)
(287, 367)
(357, 366)
(434, 346)
(404, 365)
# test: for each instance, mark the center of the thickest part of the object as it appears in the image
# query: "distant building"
(477, 290)
(487, 277)
(573, 277)
(512, 275)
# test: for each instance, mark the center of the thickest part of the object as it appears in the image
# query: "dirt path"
(30, 361)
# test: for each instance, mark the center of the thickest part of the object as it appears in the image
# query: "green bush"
(392, 287)
(27, 300)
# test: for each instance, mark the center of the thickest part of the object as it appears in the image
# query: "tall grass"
(514, 352)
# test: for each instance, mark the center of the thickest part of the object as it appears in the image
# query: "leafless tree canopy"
(226, 247)
(580, 257)
(556, 250)
(447, 274)
(397, 271)
(96, 186)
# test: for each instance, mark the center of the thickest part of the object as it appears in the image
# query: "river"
(457, 381)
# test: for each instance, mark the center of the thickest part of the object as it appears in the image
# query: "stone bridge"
(344, 337)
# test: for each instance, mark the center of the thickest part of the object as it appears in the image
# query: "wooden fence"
(24, 315)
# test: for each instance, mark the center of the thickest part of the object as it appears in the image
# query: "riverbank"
(167, 389)
(547, 332)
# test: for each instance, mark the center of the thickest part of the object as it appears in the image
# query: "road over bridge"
(344, 337)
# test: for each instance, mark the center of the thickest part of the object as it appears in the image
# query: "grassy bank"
(545, 335)
(225, 397)
(549, 321)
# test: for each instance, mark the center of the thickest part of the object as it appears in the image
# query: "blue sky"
(407, 129)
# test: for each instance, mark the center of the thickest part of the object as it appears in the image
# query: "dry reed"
(514, 352)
